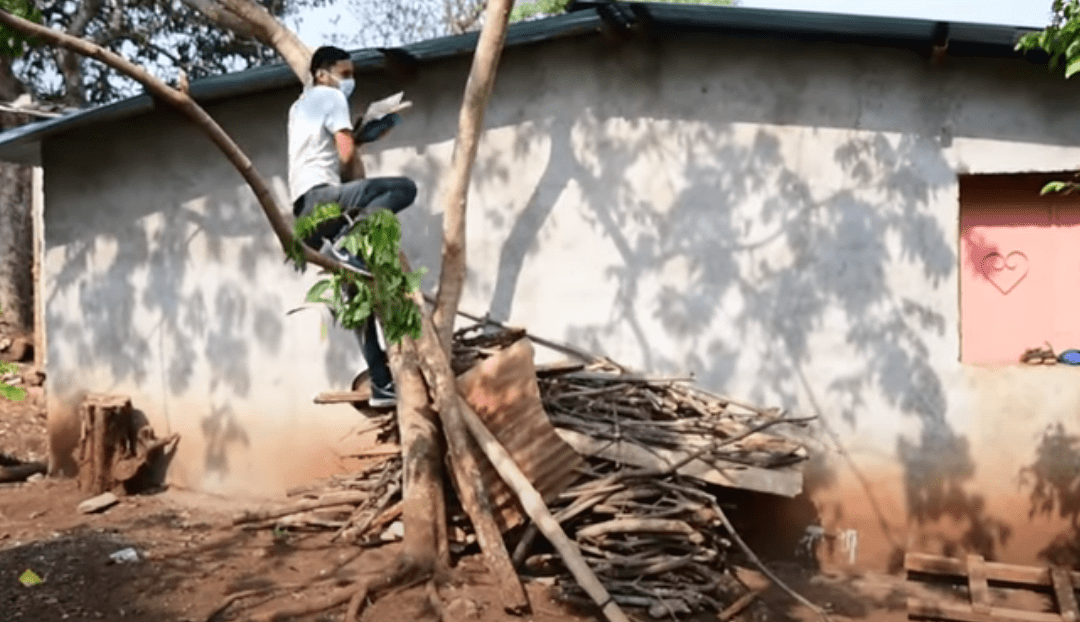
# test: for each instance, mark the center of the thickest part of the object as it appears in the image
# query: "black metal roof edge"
(807, 24)
(280, 75)
(583, 17)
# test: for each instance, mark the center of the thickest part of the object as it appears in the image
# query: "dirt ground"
(191, 559)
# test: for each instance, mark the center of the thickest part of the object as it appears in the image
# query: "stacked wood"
(642, 514)
(359, 506)
(640, 510)
(656, 423)
(655, 543)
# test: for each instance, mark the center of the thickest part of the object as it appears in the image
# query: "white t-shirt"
(313, 156)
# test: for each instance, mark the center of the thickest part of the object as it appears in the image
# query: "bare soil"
(191, 559)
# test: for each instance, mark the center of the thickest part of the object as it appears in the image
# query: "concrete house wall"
(778, 218)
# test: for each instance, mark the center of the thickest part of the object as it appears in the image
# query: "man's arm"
(352, 165)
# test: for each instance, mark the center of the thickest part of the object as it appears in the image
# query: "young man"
(325, 167)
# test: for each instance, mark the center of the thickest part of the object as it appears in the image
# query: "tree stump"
(105, 439)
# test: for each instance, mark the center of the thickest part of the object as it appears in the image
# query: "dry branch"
(252, 516)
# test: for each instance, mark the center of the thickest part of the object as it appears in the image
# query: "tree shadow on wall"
(778, 260)
(152, 310)
(1054, 480)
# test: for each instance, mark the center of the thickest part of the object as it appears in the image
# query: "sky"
(330, 24)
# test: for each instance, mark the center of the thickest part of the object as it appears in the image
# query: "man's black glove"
(374, 130)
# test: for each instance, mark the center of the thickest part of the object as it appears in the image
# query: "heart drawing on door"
(1005, 272)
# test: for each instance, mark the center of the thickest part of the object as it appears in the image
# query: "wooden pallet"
(980, 574)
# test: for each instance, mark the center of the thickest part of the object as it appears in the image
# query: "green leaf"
(377, 239)
(1072, 67)
(351, 243)
(315, 294)
(1055, 186)
(14, 394)
(413, 280)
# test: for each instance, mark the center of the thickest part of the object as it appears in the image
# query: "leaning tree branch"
(189, 107)
(247, 18)
(470, 124)
(222, 18)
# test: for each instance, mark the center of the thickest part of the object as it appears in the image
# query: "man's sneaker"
(337, 254)
(382, 397)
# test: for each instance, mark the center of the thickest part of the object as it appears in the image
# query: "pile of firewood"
(640, 512)
(655, 543)
(641, 515)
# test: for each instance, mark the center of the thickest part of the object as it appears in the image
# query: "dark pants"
(359, 198)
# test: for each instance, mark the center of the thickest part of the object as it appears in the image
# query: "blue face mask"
(347, 85)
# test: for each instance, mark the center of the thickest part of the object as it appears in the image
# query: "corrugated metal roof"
(21, 144)
(585, 17)
(807, 24)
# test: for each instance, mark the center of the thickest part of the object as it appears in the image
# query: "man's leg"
(382, 381)
(360, 199)
(320, 195)
(365, 196)
(382, 389)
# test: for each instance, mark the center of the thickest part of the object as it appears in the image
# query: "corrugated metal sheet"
(503, 391)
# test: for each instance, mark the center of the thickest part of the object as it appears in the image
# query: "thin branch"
(29, 111)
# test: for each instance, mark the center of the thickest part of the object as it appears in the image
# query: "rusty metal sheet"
(503, 391)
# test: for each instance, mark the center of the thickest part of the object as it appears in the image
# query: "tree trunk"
(424, 506)
(470, 124)
(16, 239)
(107, 432)
(464, 456)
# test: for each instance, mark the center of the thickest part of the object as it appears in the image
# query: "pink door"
(1020, 268)
(1067, 281)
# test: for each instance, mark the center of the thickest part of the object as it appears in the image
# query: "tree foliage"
(375, 239)
(12, 43)
(163, 36)
(1061, 39)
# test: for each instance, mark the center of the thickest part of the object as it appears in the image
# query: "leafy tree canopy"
(1061, 39)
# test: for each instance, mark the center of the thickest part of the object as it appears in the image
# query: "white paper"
(383, 107)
